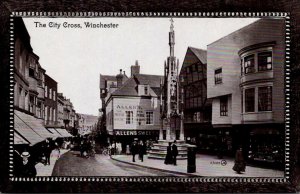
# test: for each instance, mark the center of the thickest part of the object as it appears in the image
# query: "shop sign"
(136, 132)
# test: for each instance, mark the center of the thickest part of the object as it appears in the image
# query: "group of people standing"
(172, 152)
(138, 148)
(87, 148)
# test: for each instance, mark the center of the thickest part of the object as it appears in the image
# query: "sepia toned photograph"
(149, 97)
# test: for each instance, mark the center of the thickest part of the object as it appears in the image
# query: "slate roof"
(130, 87)
(193, 55)
(106, 77)
(200, 53)
(110, 78)
(151, 80)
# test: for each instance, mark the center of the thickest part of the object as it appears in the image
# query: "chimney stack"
(135, 69)
(119, 79)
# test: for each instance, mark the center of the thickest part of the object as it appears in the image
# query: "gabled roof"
(192, 56)
(200, 53)
(127, 89)
(151, 80)
(130, 87)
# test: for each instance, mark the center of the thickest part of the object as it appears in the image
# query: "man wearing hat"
(27, 168)
(134, 149)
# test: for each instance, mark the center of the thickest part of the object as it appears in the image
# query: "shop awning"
(18, 139)
(63, 132)
(27, 132)
(35, 124)
(55, 133)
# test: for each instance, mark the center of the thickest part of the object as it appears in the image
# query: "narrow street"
(71, 164)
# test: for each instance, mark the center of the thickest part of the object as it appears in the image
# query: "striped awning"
(30, 127)
(55, 133)
(27, 132)
(63, 132)
(18, 139)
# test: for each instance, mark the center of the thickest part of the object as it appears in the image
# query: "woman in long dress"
(239, 163)
(169, 158)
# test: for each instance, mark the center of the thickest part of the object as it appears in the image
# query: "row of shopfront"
(30, 135)
(262, 144)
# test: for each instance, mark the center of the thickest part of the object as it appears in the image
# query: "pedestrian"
(168, 159)
(27, 168)
(174, 153)
(239, 163)
(81, 147)
(134, 149)
(57, 149)
(47, 151)
(141, 150)
(127, 150)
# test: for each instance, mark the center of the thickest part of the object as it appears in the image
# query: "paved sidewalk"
(43, 170)
(206, 165)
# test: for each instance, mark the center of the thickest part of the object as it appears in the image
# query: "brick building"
(50, 102)
(29, 130)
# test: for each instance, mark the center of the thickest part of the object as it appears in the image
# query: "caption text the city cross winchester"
(58, 25)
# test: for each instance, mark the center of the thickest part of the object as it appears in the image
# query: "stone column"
(168, 132)
(181, 136)
(161, 136)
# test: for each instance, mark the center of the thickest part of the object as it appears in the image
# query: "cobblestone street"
(71, 164)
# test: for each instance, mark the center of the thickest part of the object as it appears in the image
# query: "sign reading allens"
(136, 132)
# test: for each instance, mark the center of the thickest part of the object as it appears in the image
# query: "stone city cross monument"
(170, 88)
(171, 117)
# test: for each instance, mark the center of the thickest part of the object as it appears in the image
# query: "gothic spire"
(172, 38)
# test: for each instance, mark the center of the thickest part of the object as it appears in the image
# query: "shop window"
(249, 64)
(218, 76)
(264, 61)
(129, 117)
(224, 106)
(249, 100)
(149, 118)
(265, 98)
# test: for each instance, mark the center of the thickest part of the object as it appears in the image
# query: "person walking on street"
(174, 152)
(142, 150)
(47, 151)
(134, 150)
(168, 159)
(57, 149)
(239, 163)
(127, 150)
(81, 147)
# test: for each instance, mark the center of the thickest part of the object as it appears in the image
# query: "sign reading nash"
(136, 132)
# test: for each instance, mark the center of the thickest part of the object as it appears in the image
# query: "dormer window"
(143, 90)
